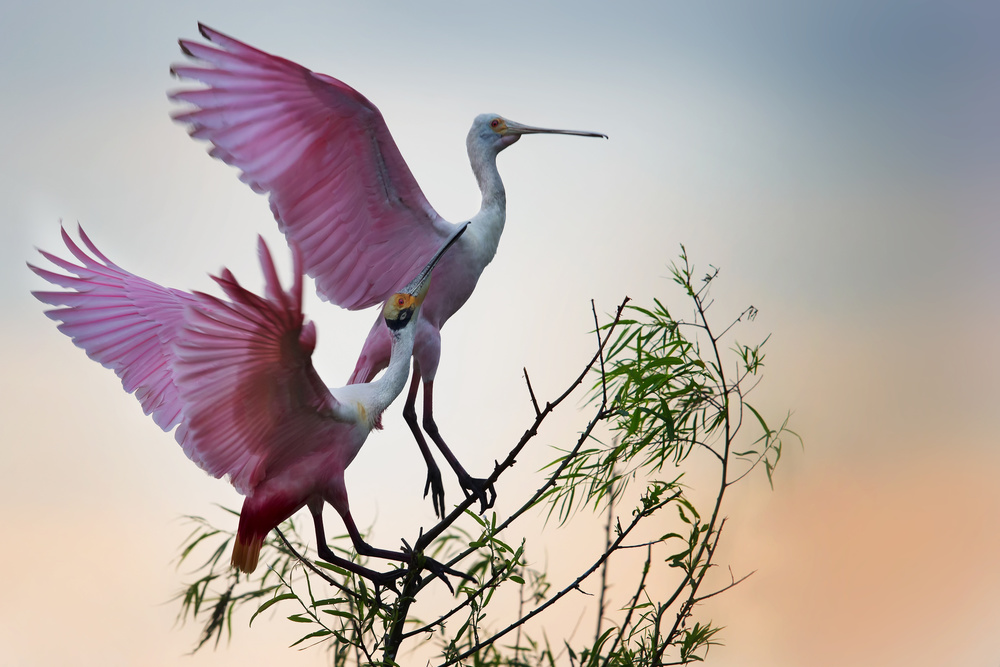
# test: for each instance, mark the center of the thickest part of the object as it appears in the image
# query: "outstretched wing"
(235, 377)
(122, 321)
(252, 399)
(337, 184)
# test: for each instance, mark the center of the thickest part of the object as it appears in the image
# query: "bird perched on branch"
(339, 188)
(235, 377)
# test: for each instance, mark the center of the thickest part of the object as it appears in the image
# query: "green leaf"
(330, 566)
(272, 601)
(328, 601)
(312, 635)
(760, 419)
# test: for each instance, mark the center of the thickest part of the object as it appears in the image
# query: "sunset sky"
(839, 161)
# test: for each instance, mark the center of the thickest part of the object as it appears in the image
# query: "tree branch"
(573, 586)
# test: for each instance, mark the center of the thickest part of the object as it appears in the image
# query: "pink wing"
(252, 399)
(236, 377)
(122, 321)
(338, 186)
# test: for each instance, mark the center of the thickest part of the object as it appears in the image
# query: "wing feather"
(235, 377)
(122, 321)
(336, 181)
(245, 375)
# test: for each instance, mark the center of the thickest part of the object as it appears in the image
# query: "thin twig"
(632, 605)
(600, 349)
(320, 573)
(604, 567)
(735, 582)
(531, 392)
(750, 310)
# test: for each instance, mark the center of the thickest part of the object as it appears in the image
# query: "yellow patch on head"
(402, 307)
(498, 125)
(400, 302)
(403, 301)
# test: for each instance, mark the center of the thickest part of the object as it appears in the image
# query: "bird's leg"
(405, 556)
(481, 489)
(433, 483)
(380, 579)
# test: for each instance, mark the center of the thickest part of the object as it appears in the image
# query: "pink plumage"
(235, 377)
(123, 322)
(339, 188)
(337, 183)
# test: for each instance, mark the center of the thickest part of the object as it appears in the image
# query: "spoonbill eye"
(495, 123)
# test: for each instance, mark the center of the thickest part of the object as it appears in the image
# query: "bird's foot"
(436, 487)
(385, 580)
(436, 568)
(480, 489)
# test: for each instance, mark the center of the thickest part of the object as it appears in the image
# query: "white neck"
(487, 225)
(383, 391)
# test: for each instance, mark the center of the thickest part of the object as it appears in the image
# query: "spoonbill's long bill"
(340, 189)
(236, 378)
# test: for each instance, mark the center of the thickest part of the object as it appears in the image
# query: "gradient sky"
(839, 161)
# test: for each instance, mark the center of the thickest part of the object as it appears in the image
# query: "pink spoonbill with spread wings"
(339, 188)
(236, 378)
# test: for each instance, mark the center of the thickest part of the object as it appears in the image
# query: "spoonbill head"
(494, 130)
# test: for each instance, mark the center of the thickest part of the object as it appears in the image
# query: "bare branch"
(531, 392)
(735, 582)
(600, 350)
(632, 605)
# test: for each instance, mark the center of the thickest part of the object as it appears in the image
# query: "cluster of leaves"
(665, 389)
(214, 596)
(672, 393)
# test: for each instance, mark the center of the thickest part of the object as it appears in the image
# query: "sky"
(838, 161)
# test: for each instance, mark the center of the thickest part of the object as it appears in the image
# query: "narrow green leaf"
(328, 601)
(760, 419)
(330, 566)
(274, 600)
(312, 635)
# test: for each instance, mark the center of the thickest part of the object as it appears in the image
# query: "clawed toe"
(480, 489)
(436, 568)
(440, 571)
(436, 488)
(386, 580)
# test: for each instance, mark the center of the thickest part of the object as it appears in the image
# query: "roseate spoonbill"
(339, 188)
(236, 379)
